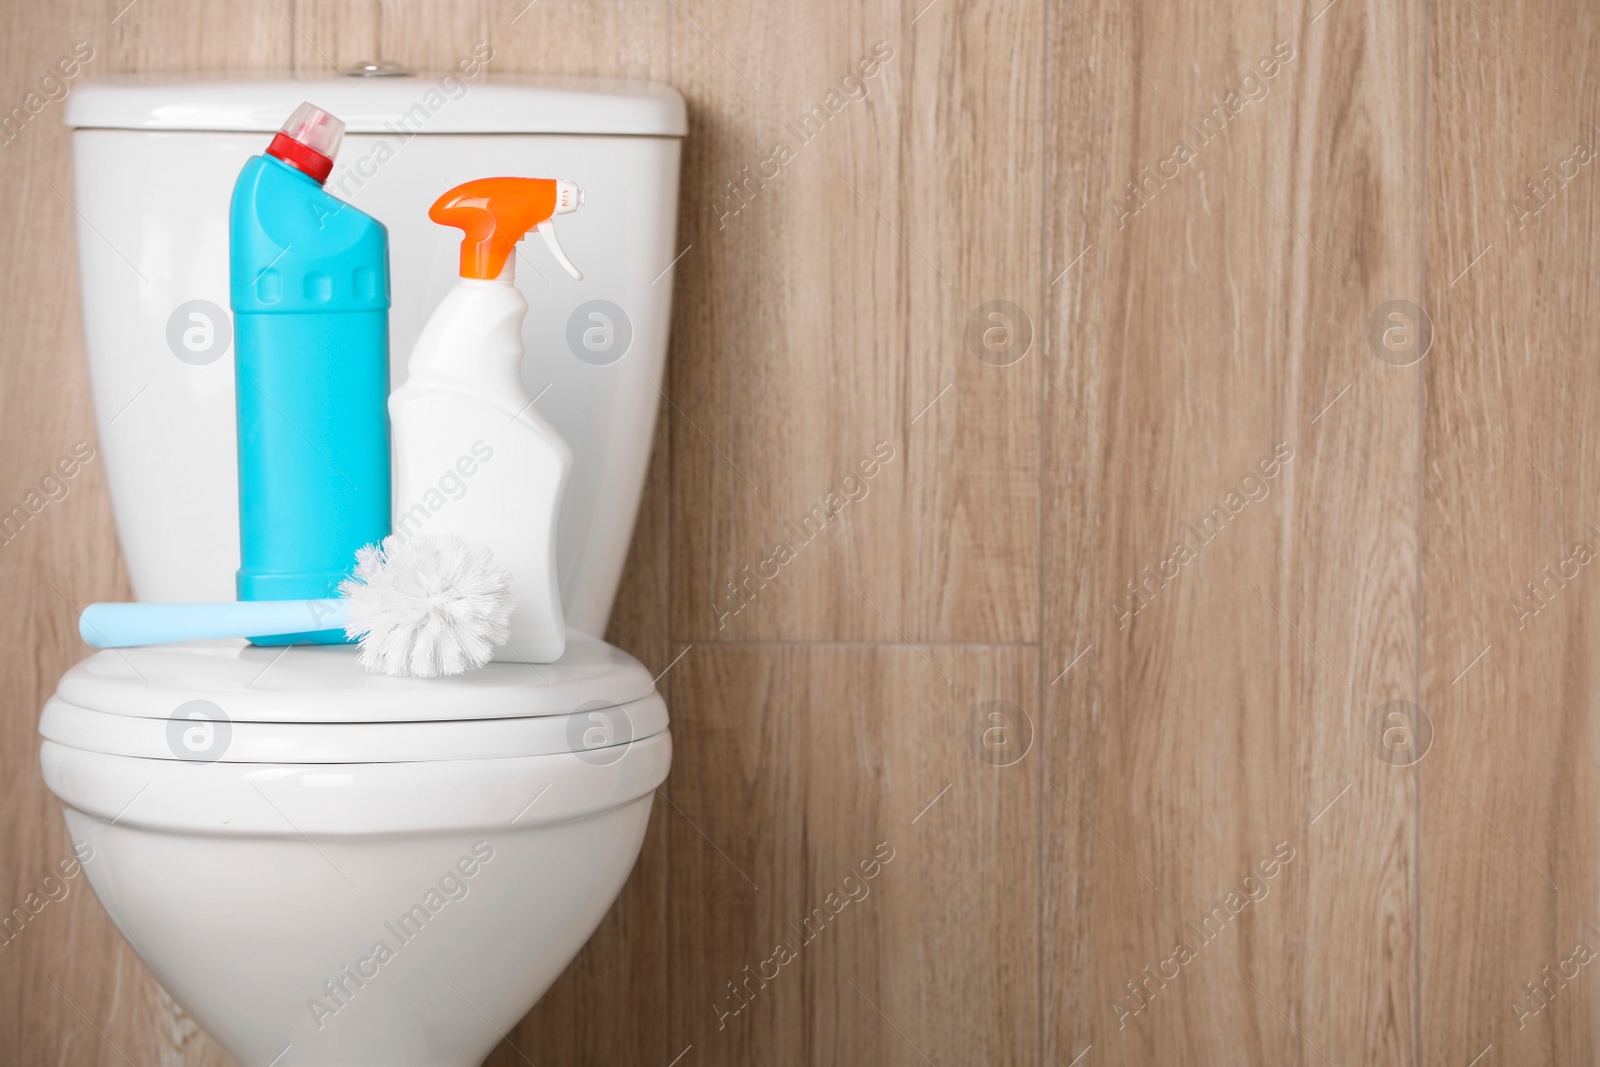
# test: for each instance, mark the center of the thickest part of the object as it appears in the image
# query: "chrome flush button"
(376, 69)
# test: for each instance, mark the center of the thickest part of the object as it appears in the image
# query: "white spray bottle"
(472, 456)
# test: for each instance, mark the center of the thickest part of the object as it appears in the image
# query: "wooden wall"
(1326, 796)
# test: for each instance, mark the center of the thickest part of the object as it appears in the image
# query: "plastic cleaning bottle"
(472, 455)
(309, 287)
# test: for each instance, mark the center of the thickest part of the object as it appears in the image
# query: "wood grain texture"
(802, 383)
(1509, 820)
(437, 36)
(612, 39)
(328, 36)
(777, 803)
(847, 221)
(1230, 657)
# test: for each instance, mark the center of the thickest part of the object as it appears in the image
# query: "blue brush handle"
(125, 625)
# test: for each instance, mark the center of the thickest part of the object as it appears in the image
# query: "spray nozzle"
(495, 213)
(309, 141)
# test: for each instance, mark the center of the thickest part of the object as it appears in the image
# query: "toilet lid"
(224, 701)
(325, 684)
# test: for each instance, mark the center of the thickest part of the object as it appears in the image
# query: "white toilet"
(326, 866)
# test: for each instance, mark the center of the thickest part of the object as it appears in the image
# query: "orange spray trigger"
(495, 213)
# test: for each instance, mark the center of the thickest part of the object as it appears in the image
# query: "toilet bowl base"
(385, 952)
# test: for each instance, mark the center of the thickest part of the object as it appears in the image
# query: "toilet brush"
(422, 607)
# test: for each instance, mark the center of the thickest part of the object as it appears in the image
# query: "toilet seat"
(353, 800)
(324, 683)
(229, 702)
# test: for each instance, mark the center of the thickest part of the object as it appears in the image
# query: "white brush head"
(427, 606)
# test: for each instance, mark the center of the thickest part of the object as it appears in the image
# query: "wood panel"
(836, 261)
(788, 328)
(438, 36)
(612, 39)
(795, 767)
(1510, 819)
(331, 35)
(1232, 539)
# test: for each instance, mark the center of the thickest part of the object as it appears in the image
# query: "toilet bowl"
(325, 866)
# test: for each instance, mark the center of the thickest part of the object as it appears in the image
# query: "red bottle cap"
(309, 141)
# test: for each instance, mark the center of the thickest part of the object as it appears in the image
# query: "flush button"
(382, 68)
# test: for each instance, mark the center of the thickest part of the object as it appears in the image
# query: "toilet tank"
(155, 162)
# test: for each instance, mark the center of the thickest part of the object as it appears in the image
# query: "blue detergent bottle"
(309, 287)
